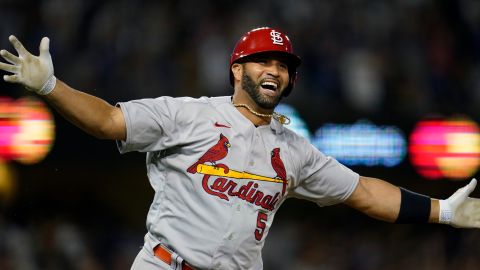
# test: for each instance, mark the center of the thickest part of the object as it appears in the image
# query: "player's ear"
(237, 70)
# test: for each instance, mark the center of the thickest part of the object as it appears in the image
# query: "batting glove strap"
(48, 86)
(445, 213)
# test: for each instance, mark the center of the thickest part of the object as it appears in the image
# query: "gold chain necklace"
(284, 120)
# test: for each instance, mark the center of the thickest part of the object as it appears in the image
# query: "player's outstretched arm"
(382, 200)
(90, 113)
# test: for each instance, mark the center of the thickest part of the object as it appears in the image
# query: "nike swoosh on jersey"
(221, 125)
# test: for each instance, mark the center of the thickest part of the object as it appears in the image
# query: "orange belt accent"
(166, 256)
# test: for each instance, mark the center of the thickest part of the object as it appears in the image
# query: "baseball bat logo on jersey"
(225, 187)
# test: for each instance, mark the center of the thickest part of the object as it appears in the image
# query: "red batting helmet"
(266, 40)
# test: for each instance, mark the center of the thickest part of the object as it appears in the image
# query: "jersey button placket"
(256, 137)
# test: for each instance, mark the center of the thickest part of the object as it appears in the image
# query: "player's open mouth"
(270, 87)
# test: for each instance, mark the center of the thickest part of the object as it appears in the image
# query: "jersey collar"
(225, 102)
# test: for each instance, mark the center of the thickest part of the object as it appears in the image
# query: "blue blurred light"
(362, 143)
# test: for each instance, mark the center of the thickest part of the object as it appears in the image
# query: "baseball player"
(222, 166)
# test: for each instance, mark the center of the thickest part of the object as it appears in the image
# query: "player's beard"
(263, 101)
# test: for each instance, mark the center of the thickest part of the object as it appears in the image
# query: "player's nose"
(275, 67)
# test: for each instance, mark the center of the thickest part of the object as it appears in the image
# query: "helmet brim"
(292, 60)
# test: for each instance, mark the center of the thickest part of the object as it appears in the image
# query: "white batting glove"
(33, 72)
(460, 210)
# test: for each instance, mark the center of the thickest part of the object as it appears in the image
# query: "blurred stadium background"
(399, 80)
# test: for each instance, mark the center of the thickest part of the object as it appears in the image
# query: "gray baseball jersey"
(219, 180)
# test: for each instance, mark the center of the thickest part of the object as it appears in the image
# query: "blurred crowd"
(300, 244)
(375, 57)
(393, 60)
(56, 244)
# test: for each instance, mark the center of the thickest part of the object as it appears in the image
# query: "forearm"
(376, 198)
(93, 115)
(382, 200)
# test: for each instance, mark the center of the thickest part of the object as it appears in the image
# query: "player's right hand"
(460, 210)
(33, 72)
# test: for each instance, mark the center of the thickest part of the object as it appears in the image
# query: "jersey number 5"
(261, 225)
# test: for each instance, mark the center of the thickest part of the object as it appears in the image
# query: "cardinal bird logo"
(279, 168)
(214, 154)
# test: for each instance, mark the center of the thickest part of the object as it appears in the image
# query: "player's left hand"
(33, 72)
(459, 210)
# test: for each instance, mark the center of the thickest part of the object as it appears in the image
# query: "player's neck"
(253, 112)
(248, 108)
